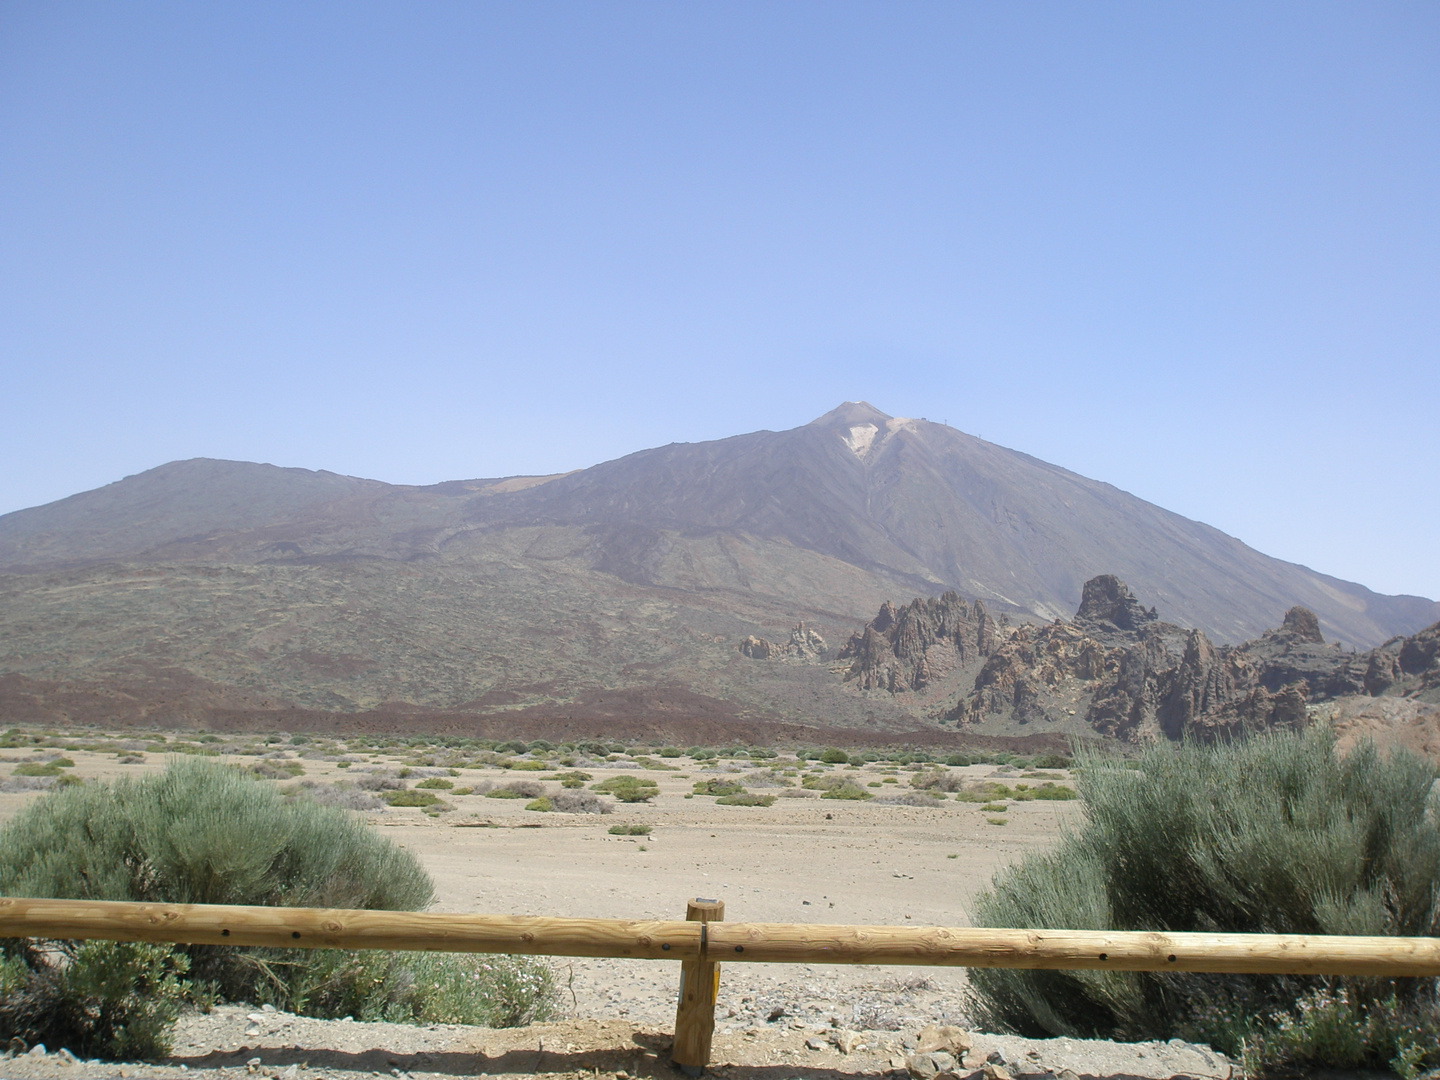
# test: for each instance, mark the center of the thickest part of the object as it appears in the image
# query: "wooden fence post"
(699, 986)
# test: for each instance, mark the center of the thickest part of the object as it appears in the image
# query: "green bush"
(436, 783)
(95, 998)
(742, 798)
(411, 797)
(847, 790)
(628, 789)
(1050, 761)
(210, 834)
(670, 751)
(1276, 834)
(629, 830)
(277, 770)
(832, 756)
(39, 768)
(542, 805)
(718, 787)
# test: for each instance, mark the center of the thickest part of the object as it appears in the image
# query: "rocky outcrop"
(1107, 605)
(804, 644)
(1131, 676)
(907, 649)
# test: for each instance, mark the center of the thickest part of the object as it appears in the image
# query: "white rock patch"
(861, 438)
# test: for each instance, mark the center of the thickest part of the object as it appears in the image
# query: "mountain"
(213, 589)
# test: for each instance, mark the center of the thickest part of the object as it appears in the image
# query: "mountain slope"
(206, 587)
(935, 509)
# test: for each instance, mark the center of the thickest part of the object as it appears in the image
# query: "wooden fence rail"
(703, 941)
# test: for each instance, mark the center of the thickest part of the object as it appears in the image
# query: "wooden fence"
(702, 940)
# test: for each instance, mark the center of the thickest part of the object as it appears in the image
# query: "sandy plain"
(804, 859)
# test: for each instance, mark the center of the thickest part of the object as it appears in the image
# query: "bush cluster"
(1276, 834)
(210, 834)
(628, 789)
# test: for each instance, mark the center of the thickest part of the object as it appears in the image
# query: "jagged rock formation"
(804, 644)
(1124, 673)
(907, 649)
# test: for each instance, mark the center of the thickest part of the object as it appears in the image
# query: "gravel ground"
(225, 1044)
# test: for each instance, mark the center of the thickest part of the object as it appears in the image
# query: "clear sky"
(1192, 249)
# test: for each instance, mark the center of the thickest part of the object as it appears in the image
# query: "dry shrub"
(579, 802)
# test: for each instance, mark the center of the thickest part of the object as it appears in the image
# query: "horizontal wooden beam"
(322, 928)
(1273, 954)
(766, 943)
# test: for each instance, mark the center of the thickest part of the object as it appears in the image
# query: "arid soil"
(803, 859)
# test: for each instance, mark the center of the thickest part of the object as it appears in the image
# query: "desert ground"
(802, 859)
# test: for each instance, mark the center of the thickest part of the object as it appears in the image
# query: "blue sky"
(1191, 249)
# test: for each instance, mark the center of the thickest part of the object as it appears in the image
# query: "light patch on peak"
(861, 438)
(895, 423)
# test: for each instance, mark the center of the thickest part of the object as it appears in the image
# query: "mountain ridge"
(906, 501)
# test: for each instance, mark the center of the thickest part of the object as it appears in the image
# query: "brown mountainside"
(241, 586)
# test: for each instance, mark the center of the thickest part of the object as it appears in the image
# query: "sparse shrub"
(984, 791)
(1050, 761)
(38, 768)
(96, 998)
(341, 797)
(936, 780)
(847, 790)
(541, 805)
(516, 789)
(36, 783)
(513, 747)
(486, 991)
(1276, 835)
(277, 770)
(380, 782)
(744, 799)
(959, 760)
(436, 783)
(1047, 791)
(670, 751)
(699, 753)
(573, 779)
(579, 802)
(718, 787)
(628, 789)
(629, 830)
(410, 797)
(911, 798)
(994, 808)
(765, 778)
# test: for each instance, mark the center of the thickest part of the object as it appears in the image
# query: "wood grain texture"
(765, 943)
(699, 987)
(319, 928)
(785, 943)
